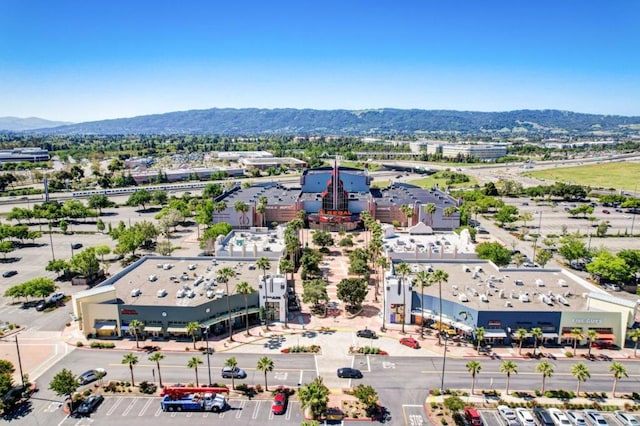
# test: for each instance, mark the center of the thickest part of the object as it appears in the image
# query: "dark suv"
(543, 416)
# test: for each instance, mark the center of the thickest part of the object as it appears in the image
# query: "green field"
(619, 175)
(428, 182)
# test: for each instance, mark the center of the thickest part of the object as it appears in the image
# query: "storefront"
(608, 327)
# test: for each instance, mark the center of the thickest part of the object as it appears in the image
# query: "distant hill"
(253, 121)
(16, 124)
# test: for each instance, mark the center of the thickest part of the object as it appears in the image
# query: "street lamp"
(206, 329)
(535, 241)
(19, 359)
(444, 359)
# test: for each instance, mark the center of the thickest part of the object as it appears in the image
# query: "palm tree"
(474, 368)
(232, 363)
(136, 327)
(287, 267)
(245, 289)
(242, 207)
(439, 276)
(224, 275)
(423, 278)
(264, 264)
(265, 364)
(577, 334)
(131, 360)
(480, 331)
(546, 369)
(314, 397)
(407, 210)
(449, 211)
(619, 371)
(193, 363)
(430, 209)
(536, 332)
(521, 333)
(581, 373)
(261, 208)
(591, 336)
(192, 330)
(635, 336)
(509, 368)
(404, 269)
(383, 263)
(157, 357)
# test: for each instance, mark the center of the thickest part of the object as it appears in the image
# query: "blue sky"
(91, 60)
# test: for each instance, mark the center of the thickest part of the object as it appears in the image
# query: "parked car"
(8, 274)
(606, 212)
(576, 418)
(625, 418)
(42, 305)
(612, 287)
(349, 373)
(559, 418)
(91, 376)
(280, 401)
(235, 372)
(367, 334)
(89, 405)
(472, 416)
(508, 415)
(411, 342)
(594, 418)
(56, 297)
(76, 246)
(525, 417)
(543, 416)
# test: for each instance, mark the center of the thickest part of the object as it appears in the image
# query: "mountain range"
(253, 121)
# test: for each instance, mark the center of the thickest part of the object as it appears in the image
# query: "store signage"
(128, 312)
(587, 320)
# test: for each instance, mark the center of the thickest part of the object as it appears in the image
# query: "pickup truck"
(194, 402)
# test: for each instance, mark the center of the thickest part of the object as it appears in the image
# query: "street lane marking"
(301, 373)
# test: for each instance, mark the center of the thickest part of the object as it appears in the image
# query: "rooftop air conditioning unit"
(153, 278)
(539, 282)
(162, 292)
(463, 298)
(180, 293)
(136, 292)
(484, 298)
(524, 298)
(562, 300)
(563, 283)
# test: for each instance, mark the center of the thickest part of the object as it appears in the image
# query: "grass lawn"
(360, 165)
(428, 182)
(619, 175)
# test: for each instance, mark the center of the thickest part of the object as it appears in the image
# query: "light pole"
(535, 241)
(384, 305)
(444, 360)
(206, 329)
(19, 359)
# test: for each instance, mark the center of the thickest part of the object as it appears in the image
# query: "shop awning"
(549, 335)
(106, 326)
(606, 336)
(177, 330)
(463, 327)
(153, 329)
(493, 334)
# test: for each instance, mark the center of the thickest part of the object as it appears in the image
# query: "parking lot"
(491, 418)
(146, 411)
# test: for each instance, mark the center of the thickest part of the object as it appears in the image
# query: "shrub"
(258, 387)
(86, 392)
(79, 344)
(568, 354)
(147, 388)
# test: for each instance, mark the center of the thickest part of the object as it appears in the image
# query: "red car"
(411, 342)
(280, 402)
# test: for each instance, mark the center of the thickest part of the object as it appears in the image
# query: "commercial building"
(18, 155)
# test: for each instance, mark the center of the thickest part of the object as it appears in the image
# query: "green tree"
(224, 275)
(193, 328)
(368, 396)
(243, 208)
(314, 398)
(322, 239)
(571, 248)
(480, 332)
(543, 257)
(521, 333)
(591, 336)
(314, 291)
(233, 364)
(245, 289)
(506, 215)
(352, 291)
(141, 197)
(439, 276)
(136, 328)
(193, 363)
(130, 359)
(454, 403)
(473, 367)
(423, 279)
(157, 357)
(494, 252)
(403, 269)
(536, 332)
(635, 337)
(99, 202)
(546, 369)
(265, 364)
(609, 267)
(576, 334)
(581, 373)
(619, 371)
(85, 263)
(408, 211)
(508, 368)
(64, 383)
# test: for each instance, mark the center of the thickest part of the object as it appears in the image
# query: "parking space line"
(141, 413)
(113, 408)
(256, 410)
(128, 409)
(189, 414)
(302, 373)
(243, 403)
(289, 410)
(158, 411)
